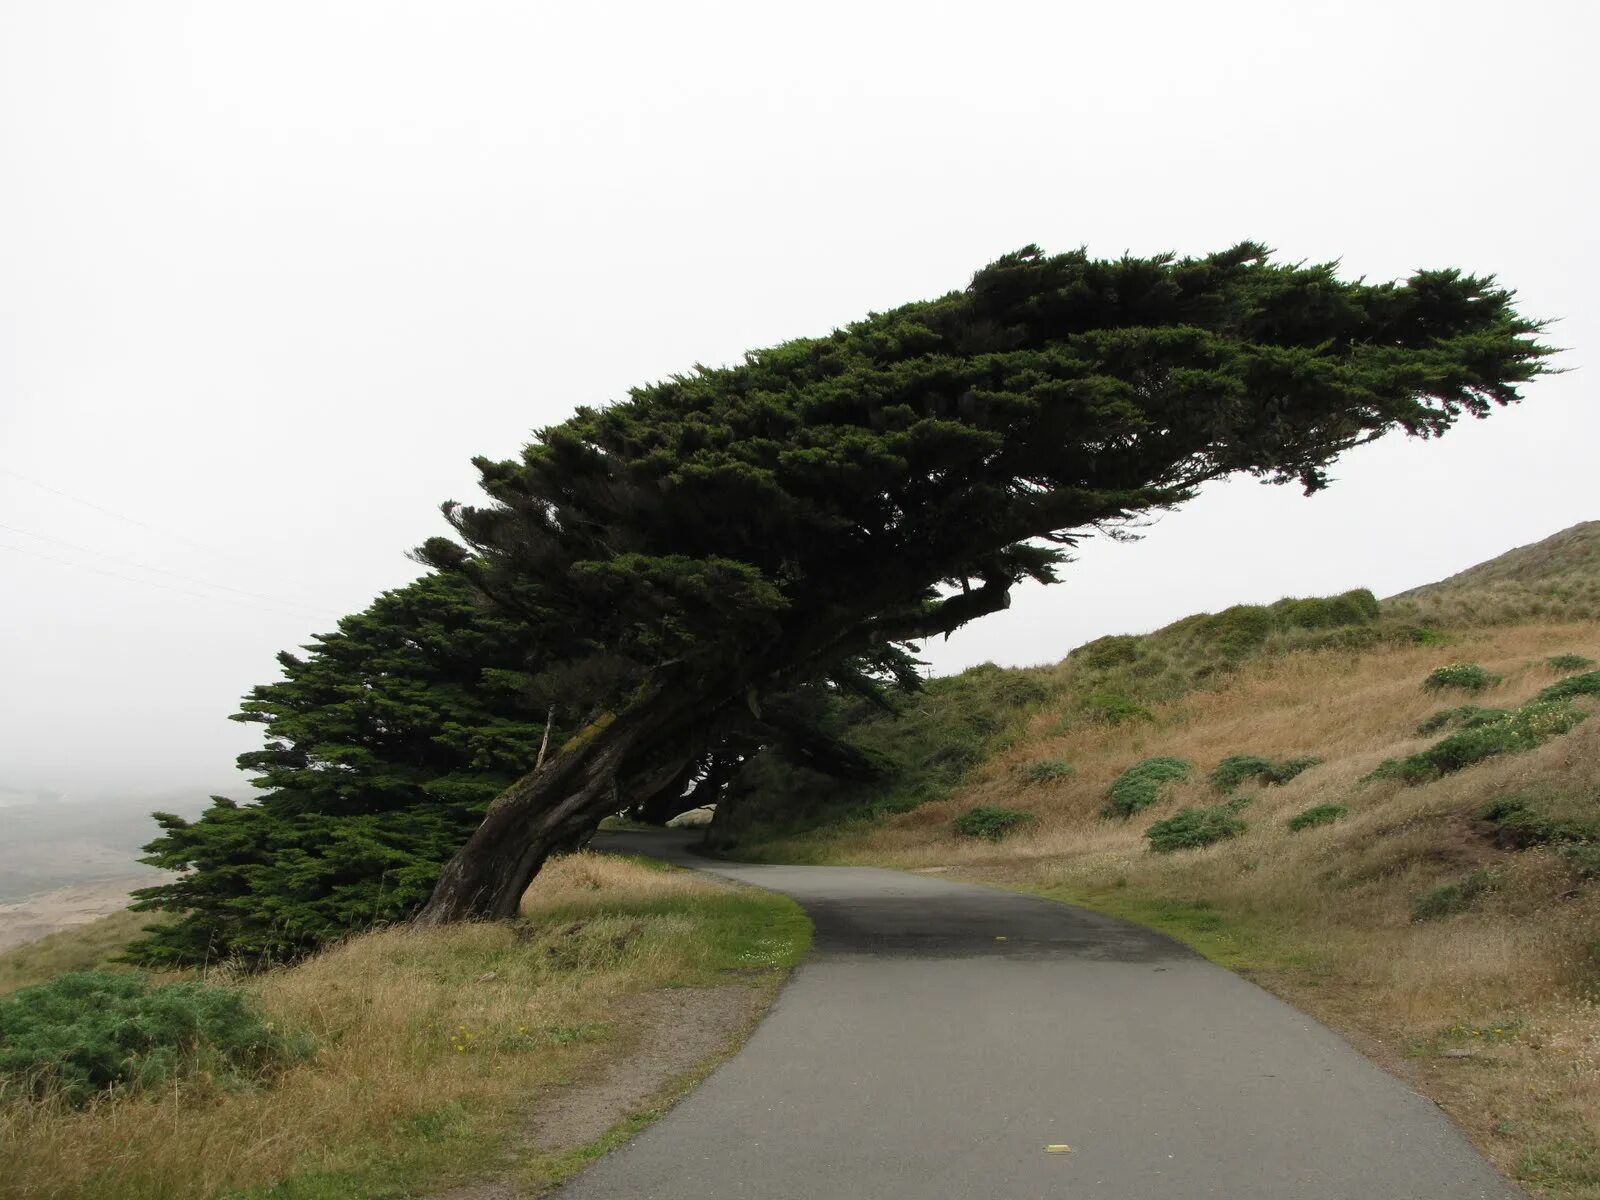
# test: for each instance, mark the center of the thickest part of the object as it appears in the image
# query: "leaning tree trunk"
(554, 805)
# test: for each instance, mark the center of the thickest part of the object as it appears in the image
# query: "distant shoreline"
(33, 917)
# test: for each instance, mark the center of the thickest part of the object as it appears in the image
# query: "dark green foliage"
(1568, 662)
(1468, 677)
(1114, 708)
(384, 745)
(1235, 769)
(991, 823)
(1140, 785)
(1190, 828)
(1317, 814)
(1534, 819)
(1467, 716)
(895, 478)
(88, 1033)
(1527, 727)
(1452, 898)
(1573, 687)
(1049, 770)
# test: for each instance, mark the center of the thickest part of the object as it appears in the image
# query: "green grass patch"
(1240, 944)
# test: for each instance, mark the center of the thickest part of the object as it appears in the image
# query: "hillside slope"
(1441, 906)
(1558, 577)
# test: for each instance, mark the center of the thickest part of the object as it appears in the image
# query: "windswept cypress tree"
(385, 744)
(740, 531)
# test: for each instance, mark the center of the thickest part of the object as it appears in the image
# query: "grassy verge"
(432, 1046)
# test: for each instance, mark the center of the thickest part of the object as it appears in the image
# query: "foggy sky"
(271, 273)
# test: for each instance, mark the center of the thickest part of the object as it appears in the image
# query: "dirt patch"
(669, 1035)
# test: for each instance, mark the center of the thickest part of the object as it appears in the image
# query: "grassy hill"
(1556, 578)
(1429, 884)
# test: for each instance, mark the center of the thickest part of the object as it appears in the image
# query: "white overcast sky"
(270, 273)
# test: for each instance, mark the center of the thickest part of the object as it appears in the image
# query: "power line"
(150, 582)
(100, 508)
(275, 600)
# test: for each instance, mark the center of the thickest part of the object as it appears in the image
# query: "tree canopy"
(751, 528)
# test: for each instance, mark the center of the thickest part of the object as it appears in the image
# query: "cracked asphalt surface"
(941, 1035)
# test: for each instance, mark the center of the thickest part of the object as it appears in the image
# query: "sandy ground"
(33, 917)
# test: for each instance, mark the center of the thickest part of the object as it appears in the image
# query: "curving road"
(941, 1035)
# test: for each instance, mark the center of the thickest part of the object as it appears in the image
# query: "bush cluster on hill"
(1140, 785)
(86, 1034)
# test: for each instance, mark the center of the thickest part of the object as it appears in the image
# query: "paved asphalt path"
(917, 1055)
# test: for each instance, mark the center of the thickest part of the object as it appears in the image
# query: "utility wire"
(274, 600)
(110, 512)
(149, 582)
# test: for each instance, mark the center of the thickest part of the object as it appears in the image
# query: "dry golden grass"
(430, 1044)
(1324, 916)
(88, 947)
(1551, 580)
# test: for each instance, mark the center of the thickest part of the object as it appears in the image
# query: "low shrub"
(1568, 662)
(1468, 716)
(1423, 636)
(1235, 769)
(1190, 828)
(1522, 821)
(1140, 785)
(991, 823)
(1103, 653)
(1047, 770)
(1529, 726)
(1115, 708)
(1317, 814)
(1452, 897)
(1573, 686)
(92, 1032)
(1466, 676)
